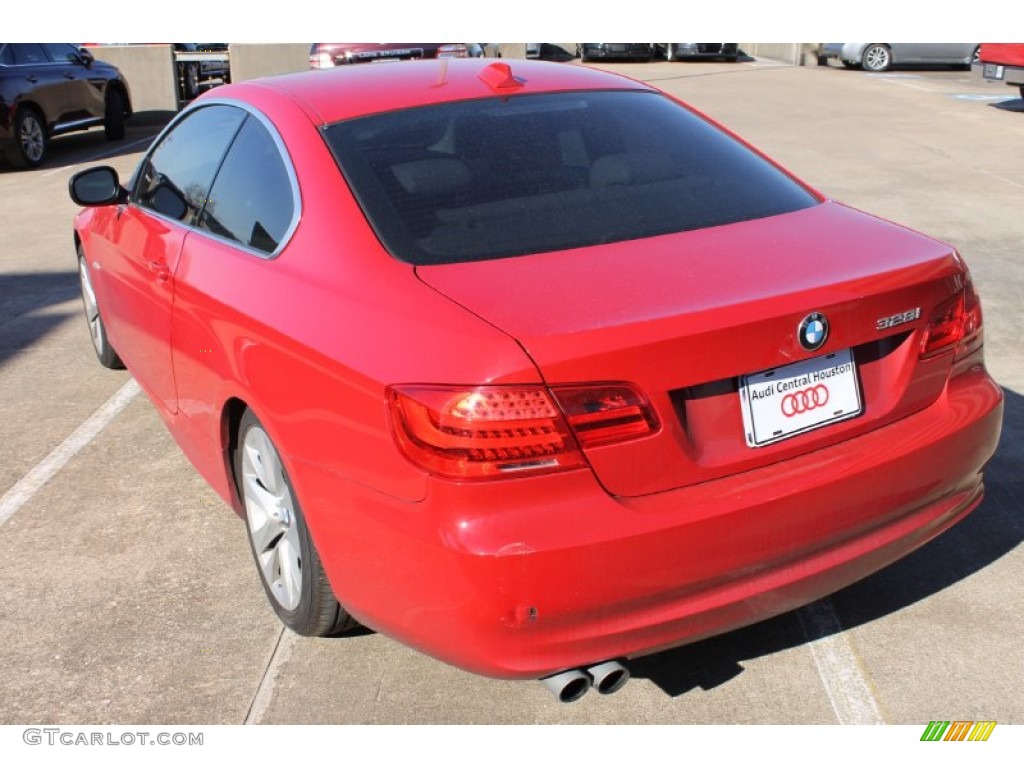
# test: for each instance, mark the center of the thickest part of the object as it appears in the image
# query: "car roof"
(344, 92)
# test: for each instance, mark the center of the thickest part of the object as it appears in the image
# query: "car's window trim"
(293, 179)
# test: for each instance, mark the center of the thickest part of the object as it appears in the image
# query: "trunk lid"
(684, 316)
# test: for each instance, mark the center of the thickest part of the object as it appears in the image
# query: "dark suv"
(51, 88)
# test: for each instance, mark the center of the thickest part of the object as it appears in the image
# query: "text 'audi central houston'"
(533, 367)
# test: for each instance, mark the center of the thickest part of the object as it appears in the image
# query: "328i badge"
(538, 371)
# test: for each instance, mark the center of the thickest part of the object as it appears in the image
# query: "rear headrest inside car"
(443, 174)
(632, 168)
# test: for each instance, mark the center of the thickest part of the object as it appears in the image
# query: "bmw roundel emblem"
(813, 331)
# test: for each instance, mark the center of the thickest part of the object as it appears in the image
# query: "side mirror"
(97, 186)
(86, 57)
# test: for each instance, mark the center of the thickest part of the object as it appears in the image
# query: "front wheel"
(190, 81)
(105, 353)
(288, 563)
(876, 58)
(31, 141)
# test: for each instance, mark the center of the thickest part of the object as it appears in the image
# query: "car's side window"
(62, 52)
(175, 179)
(251, 200)
(29, 53)
(6, 54)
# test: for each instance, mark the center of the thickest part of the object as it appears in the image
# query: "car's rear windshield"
(500, 177)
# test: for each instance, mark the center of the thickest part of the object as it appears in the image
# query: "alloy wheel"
(877, 58)
(92, 308)
(273, 529)
(32, 140)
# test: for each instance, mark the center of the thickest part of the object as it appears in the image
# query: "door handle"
(69, 75)
(160, 269)
(32, 78)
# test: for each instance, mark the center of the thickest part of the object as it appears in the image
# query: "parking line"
(1003, 178)
(264, 692)
(848, 691)
(93, 158)
(42, 472)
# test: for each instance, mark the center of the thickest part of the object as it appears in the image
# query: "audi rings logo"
(804, 400)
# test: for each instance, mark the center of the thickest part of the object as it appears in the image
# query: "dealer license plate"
(788, 401)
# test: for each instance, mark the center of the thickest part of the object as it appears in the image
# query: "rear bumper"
(524, 578)
(843, 51)
(1001, 73)
(615, 51)
(706, 50)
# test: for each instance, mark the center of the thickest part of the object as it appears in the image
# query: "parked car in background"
(541, 369)
(326, 55)
(192, 74)
(1003, 62)
(47, 89)
(878, 57)
(677, 51)
(592, 51)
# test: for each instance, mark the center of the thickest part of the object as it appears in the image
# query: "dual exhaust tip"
(568, 686)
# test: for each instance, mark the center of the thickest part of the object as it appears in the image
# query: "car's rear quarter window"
(251, 199)
(504, 177)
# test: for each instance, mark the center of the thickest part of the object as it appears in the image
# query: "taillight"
(956, 322)
(452, 51)
(602, 414)
(972, 335)
(497, 431)
(321, 60)
(481, 431)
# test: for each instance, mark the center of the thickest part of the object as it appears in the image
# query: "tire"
(105, 353)
(1022, 91)
(851, 64)
(876, 58)
(31, 142)
(286, 558)
(190, 81)
(670, 52)
(113, 116)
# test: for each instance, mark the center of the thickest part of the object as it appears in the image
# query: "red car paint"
(1003, 62)
(640, 544)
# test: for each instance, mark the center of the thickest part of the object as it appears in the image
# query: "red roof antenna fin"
(499, 76)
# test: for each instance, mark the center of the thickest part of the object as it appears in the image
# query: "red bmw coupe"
(531, 366)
